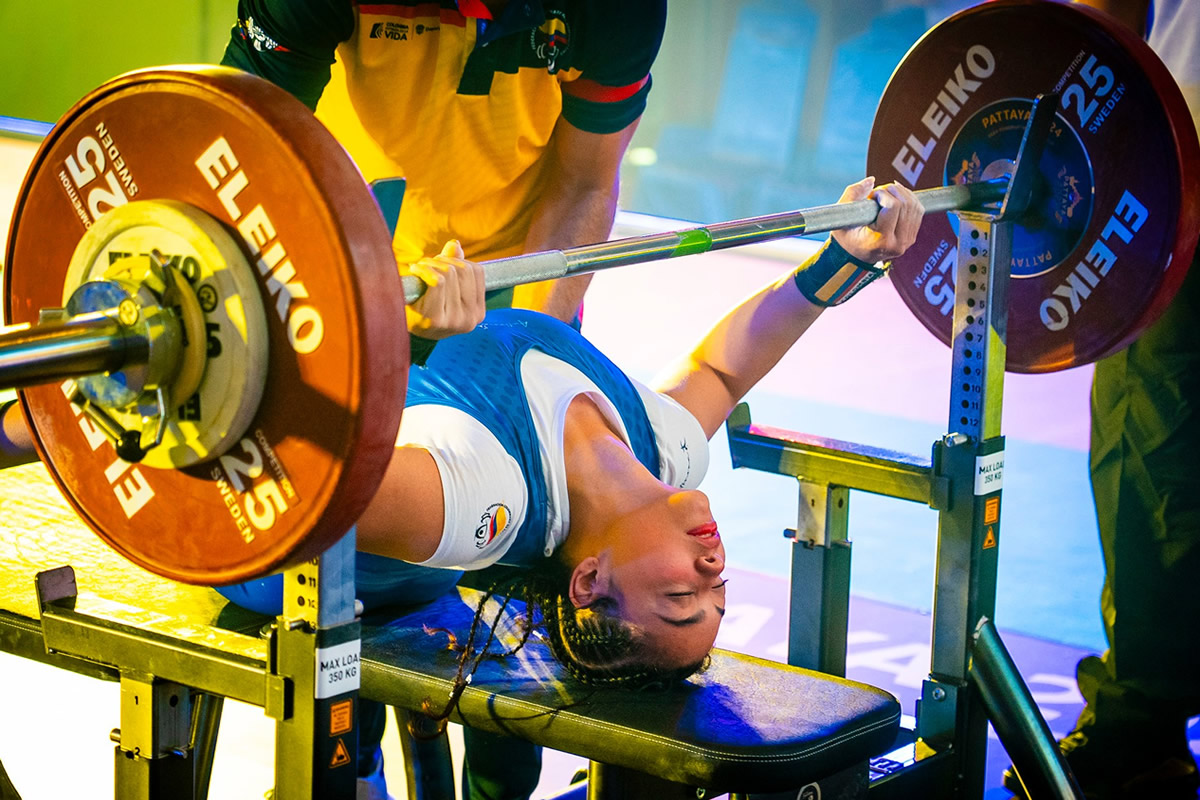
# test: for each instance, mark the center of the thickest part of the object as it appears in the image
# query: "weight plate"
(206, 422)
(1113, 224)
(251, 157)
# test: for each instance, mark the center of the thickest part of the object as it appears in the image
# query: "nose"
(712, 563)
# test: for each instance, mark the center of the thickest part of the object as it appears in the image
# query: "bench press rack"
(747, 725)
(972, 679)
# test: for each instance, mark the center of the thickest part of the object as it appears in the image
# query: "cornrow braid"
(595, 647)
(466, 655)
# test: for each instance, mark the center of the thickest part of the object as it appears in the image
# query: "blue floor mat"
(888, 646)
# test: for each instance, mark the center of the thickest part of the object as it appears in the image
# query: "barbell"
(204, 306)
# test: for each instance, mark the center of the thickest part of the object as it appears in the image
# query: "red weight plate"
(256, 160)
(1115, 216)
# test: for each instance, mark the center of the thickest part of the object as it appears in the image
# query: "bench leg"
(206, 721)
(427, 762)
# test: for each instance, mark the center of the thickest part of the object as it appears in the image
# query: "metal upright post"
(152, 759)
(956, 700)
(971, 456)
(821, 561)
(313, 687)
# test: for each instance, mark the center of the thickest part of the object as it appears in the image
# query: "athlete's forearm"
(564, 221)
(576, 207)
(16, 445)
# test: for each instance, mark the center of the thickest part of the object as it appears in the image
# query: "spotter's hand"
(453, 300)
(892, 232)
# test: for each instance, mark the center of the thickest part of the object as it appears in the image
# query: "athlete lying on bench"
(521, 444)
(520, 441)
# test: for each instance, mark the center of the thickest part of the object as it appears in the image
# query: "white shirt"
(484, 489)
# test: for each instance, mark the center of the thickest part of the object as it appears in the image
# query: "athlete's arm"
(744, 345)
(290, 42)
(14, 436)
(407, 514)
(577, 207)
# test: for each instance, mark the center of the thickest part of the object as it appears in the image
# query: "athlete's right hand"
(453, 300)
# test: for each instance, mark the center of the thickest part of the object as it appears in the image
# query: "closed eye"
(720, 585)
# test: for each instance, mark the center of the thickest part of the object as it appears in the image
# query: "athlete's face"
(664, 573)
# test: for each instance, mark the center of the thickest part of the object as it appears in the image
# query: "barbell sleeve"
(502, 273)
(81, 345)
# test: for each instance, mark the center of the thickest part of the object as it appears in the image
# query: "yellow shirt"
(461, 106)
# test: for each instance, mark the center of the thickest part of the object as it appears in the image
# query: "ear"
(589, 581)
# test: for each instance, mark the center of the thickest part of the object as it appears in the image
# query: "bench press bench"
(745, 725)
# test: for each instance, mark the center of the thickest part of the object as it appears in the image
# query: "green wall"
(53, 53)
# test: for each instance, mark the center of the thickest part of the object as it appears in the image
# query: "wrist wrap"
(833, 276)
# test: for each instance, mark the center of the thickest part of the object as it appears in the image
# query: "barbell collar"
(503, 273)
(84, 344)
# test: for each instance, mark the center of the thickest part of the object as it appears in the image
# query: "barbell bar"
(66, 346)
(503, 273)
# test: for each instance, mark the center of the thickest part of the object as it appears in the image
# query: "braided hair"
(593, 644)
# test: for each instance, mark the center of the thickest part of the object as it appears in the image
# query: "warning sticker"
(341, 756)
(341, 717)
(989, 538)
(991, 511)
(989, 473)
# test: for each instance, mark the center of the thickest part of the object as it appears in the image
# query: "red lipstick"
(706, 531)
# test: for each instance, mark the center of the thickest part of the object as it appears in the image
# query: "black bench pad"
(744, 725)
